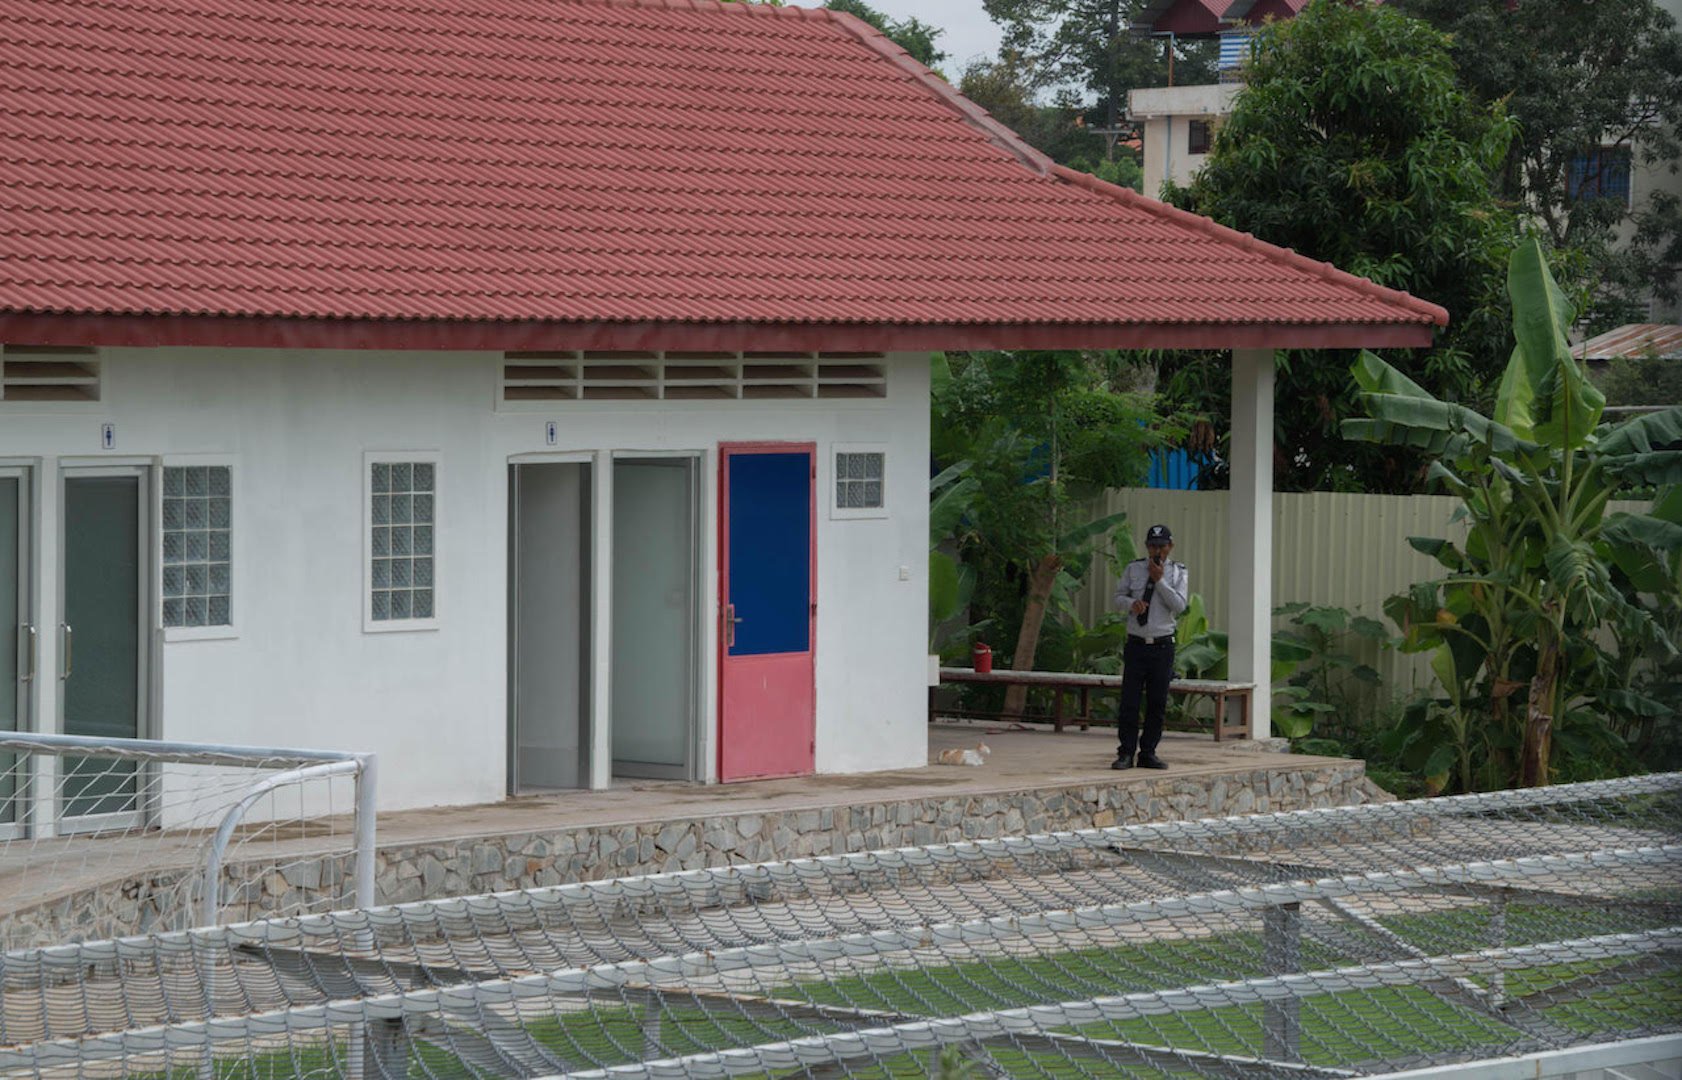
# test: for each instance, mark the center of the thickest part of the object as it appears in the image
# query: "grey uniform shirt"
(1166, 603)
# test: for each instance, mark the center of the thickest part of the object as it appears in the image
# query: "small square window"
(197, 524)
(860, 490)
(402, 510)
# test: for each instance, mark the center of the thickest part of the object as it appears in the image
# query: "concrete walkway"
(1020, 761)
(1030, 765)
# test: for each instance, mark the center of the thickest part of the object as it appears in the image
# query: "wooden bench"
(1059, 682)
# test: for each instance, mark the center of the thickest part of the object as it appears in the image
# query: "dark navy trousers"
(1146, 672)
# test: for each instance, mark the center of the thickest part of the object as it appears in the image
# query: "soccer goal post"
(111, 837)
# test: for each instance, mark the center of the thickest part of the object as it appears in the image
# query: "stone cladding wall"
(434, 869)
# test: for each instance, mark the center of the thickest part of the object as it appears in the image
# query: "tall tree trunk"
(1040, 580)
(1538, 726)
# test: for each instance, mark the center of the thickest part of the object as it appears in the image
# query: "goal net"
(1323, 943)
(108, 838)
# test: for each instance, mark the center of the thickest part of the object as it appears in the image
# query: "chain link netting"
(1352, 941)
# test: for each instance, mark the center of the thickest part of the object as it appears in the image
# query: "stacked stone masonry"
(533, 860)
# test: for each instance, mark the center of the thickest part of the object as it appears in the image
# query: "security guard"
(1153, 591)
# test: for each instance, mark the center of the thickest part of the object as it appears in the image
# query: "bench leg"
(1057, 708)
(1249, 732)
(1085, 708)
(1220, 717)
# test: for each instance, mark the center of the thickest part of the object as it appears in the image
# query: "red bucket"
(982, 658)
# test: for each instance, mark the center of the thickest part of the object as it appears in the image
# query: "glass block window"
(858, 480)
(403, 519)
(198, 555)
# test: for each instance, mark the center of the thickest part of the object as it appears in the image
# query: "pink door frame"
(791, 680)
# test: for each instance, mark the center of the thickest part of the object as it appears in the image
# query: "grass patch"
(1389, 1023)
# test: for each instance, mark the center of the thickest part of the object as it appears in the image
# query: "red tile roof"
(1207, 18)
(472, 173)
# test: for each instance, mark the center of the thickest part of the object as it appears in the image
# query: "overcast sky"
(969, 35)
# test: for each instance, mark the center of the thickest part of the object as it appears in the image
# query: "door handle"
(67, 641)
(730, 621)
(26, 640)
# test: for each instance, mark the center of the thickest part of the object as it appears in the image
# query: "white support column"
(1250, 532)
(601, 622)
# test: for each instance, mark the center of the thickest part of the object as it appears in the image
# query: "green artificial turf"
(1388, 1024)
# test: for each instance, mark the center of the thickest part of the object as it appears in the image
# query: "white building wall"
(299, 669)
(1165, 114)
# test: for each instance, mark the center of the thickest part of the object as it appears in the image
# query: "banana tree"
(951, 584)
(1535, 577)
(1043, 433)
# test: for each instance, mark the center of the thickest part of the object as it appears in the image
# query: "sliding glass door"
(103, 636)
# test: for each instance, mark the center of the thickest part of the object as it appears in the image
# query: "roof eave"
(273, 332)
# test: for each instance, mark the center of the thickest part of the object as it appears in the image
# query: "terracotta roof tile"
(571, 161)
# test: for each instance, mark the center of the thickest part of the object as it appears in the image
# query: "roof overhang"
(187, 331)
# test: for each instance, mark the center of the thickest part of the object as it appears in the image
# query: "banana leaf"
(1426, 423)
(950, 502)
(1439, 549)
(1074, 538)
(1375, 376)
(1543, 395)
(944, 587)
(1644, 434)
(1644, 529)
(1656, 468)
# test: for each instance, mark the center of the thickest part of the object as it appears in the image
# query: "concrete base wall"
(465, 866)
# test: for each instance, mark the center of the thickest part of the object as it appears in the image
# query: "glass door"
(17, 644)
(549, 603)
(656, 553)
(103, 637)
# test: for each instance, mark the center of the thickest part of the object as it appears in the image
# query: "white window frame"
(371, 458)
(853, 513)
(237, 594)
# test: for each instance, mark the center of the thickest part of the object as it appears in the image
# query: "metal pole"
(367, 801)
(369, 1042)
(1282, 955)
(1498, 938)
(160, 750)
(210, 905)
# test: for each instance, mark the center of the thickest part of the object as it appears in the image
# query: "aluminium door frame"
(145, 469)
(695, 742)
(29, 649)
(592, 460)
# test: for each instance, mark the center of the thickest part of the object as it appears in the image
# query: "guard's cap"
(1158, 534)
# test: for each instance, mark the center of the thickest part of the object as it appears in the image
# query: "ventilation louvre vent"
(690, 376)
(49, 373)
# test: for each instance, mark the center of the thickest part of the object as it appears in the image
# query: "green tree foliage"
(1552, 605)
(1088, 45)
(1351, 143)
(1646, 380)
(913, 35)
(1064, 130)
(1040, 432)
(1577, 76)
